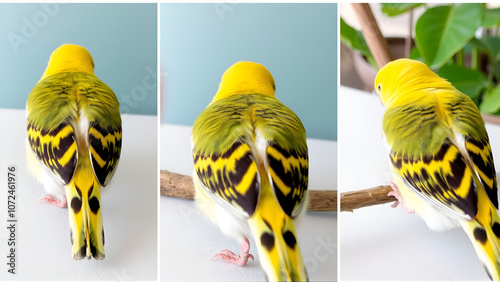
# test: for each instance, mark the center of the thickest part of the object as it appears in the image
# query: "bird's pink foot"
(231, 257)
(62, 203)
(399, 198)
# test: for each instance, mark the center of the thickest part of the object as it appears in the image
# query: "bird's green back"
(228, 120)
(70, 92)
(225, 137)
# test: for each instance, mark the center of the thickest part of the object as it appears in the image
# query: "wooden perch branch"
(176, 185)
(349, 201)
(181, 186)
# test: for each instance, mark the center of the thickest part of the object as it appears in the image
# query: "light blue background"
(296, 42)
(122, 39)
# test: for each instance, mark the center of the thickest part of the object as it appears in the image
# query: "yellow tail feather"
(278, 248)
(85, 216)
(484, 233)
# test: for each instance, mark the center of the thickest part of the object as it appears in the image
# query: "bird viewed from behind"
(251, 170)
(74, 143)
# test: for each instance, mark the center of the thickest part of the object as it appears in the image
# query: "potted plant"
(458, 41)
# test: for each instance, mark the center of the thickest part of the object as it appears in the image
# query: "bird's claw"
(62, 203)
(228, 256)
(241, 259)
(399, 199)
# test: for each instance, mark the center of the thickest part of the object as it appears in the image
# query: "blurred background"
(122, 39)
(465, 52)
(297, 43)
(395, 29)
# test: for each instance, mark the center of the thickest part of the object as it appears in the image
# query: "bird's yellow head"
(405, 76)
(69, 57)
(246, 77)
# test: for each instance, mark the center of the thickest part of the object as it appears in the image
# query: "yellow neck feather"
(402, 79)
(245, 77)
(69, 58)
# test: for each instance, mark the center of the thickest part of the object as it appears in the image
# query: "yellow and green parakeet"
(251, 169)
(440, 155)
(74, 142)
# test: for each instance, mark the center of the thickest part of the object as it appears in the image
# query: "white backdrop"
(128, 206)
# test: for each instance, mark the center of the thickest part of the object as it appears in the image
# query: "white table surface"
(189, 240)
(128, 205)
(379, 242)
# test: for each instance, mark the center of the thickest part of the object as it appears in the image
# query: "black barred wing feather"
(231, 176)
(56, 149)
(289, 173)
(286, 152)
(467, 121)
(59, 101)
(482, 159)
(425, 137)
(443, 178)
(50, 133)
(105, 147)
(223, 157)
(101, 107)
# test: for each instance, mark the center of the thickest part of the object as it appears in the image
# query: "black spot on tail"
(76, 204)
(93, 250)
(480, 235)
(496, 229)
(83, 251)
(103, 236)
(267, 240)
(290, 239)
(94, 205)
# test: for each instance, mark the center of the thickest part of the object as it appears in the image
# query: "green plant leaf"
(488, 44)
(415, 55)
(468, 81)
(468, 48)
(394, 9)
(443, 30)
(353, 39)
(491, 102)
(480, 45)
(491, 17)
(496, 71)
